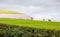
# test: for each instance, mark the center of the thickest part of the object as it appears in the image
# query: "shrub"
(17, 31)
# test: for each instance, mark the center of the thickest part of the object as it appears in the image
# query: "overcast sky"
(39, 9)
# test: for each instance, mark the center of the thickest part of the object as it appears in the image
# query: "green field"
(32, 23)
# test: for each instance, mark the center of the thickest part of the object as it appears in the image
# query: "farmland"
(32, 23)
(28, 28)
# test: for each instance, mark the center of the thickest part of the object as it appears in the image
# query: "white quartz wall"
(17, 16)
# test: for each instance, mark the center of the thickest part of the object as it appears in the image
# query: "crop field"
(28, 28)
(32, 23)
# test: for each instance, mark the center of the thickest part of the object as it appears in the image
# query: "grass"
(32, 23)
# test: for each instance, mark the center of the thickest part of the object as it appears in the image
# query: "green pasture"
(32, 23)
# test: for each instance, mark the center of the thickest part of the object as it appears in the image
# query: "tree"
(43, 19)
(49, 19)
(31, 18)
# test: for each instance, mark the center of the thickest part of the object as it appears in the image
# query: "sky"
(38, 9)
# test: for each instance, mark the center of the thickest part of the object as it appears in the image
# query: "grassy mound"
(32, 24)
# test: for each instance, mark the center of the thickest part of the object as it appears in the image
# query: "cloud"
(35, 8)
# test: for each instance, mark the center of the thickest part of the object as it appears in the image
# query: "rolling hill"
(25, 27)
(32, 23)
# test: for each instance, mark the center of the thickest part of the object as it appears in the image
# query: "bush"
(49, 19)
(17, 31)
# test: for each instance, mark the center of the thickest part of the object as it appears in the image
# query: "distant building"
(14, 15)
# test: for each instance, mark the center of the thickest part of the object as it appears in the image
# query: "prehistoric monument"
(13, 15)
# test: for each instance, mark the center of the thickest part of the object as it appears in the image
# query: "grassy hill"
(32, 23)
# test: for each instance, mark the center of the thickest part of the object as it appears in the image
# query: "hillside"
(32, 24)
